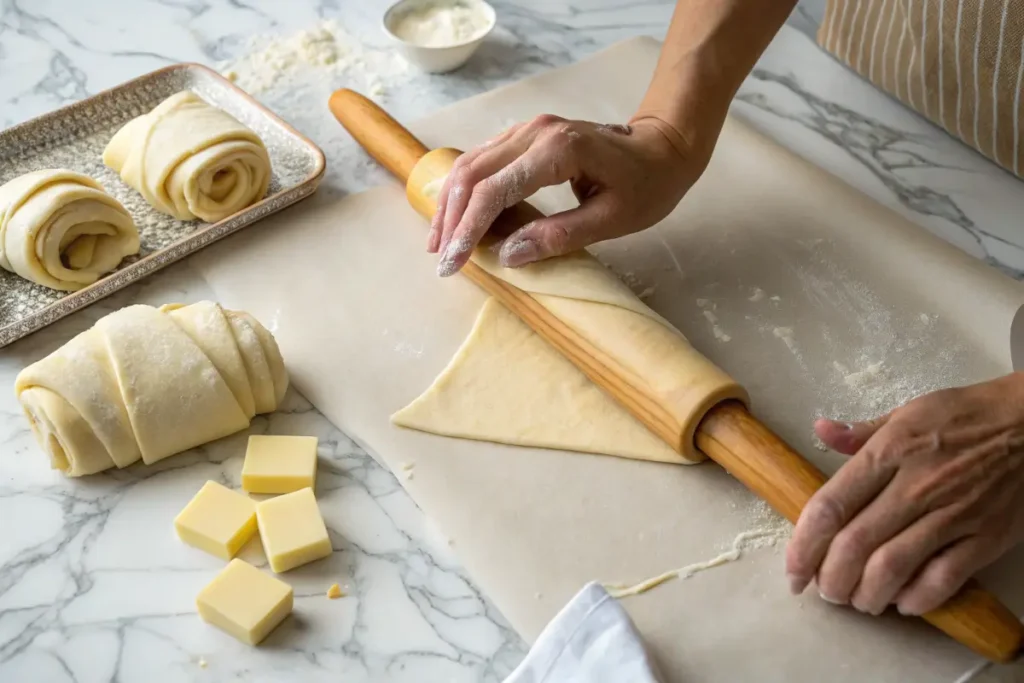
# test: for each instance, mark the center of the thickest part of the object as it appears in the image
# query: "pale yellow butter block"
(279, 464)
(292, 530)
(245, 602)
(217, 520)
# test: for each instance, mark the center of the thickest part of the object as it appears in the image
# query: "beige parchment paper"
(817, 299)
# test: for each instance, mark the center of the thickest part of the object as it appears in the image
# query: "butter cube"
(292, 530)
(217, 520)
(245, 602)
(279, 464)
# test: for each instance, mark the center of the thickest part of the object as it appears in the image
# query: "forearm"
(710, 48)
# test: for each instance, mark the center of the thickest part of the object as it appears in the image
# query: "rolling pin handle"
(385, 139)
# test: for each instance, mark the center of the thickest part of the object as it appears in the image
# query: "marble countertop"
(93, 584)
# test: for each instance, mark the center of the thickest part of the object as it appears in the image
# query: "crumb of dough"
(702, 302)
(335, 592)
(647, 293)
(231, 75)
(757, 295)
(407, 466)
(201, 663)
(775, 299)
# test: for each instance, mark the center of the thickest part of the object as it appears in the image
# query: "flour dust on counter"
(324, 51)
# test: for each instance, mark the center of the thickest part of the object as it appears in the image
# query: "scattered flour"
(716, 329)
(789, 339)
(326, 48)
(757, 295)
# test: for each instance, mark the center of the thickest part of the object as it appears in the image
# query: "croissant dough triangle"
(507, 385)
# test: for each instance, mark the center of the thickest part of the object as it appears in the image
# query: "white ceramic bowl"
(437, 59)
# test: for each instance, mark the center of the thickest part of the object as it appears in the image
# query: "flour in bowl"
(442, 24)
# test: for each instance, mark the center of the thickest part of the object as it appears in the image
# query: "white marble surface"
(93, 584)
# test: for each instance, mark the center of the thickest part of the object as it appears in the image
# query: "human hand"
(933, 493)
(626, 178)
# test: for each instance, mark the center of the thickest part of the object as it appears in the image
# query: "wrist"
(689, 101)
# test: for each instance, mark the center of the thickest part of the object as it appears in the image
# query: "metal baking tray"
(74, 137)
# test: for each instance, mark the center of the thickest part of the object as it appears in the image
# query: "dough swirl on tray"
(146, 383)
(190, 159)
(60, 229)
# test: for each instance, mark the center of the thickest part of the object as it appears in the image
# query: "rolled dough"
(148, 383)
(190, 159)
(60, 229)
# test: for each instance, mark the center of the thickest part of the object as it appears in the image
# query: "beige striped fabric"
(958, 62)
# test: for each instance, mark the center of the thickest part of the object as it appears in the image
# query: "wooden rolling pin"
(728, 434)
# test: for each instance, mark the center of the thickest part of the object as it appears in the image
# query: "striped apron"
(960, 63)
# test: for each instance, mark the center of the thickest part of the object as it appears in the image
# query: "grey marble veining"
(93, 584)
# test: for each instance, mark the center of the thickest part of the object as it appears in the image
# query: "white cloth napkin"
(592, 640)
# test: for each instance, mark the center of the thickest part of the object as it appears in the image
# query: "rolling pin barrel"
(728, 434)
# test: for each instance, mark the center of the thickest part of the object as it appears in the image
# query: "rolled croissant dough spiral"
(60, 229)
(146, 383)
(190, 159)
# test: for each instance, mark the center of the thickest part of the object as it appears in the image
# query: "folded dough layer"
(507, 385)
(146, 383)
(190, 159)
(60, 229)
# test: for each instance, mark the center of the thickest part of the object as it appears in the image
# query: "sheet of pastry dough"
(60, 229)
(146, 383)
(590, 299)
(508, 385)
(190, 159)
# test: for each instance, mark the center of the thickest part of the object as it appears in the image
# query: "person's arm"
(626, 177)
(710, 48)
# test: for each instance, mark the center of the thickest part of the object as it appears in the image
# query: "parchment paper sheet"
(775, 270)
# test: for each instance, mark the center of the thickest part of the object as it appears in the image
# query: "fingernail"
(832, 601)
(796, 584)
(518, 253)
(907, 612)
(449, 264)
(447, 267)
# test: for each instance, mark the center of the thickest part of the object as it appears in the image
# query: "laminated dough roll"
(60, 229)
(145, 383)
(190, 159)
